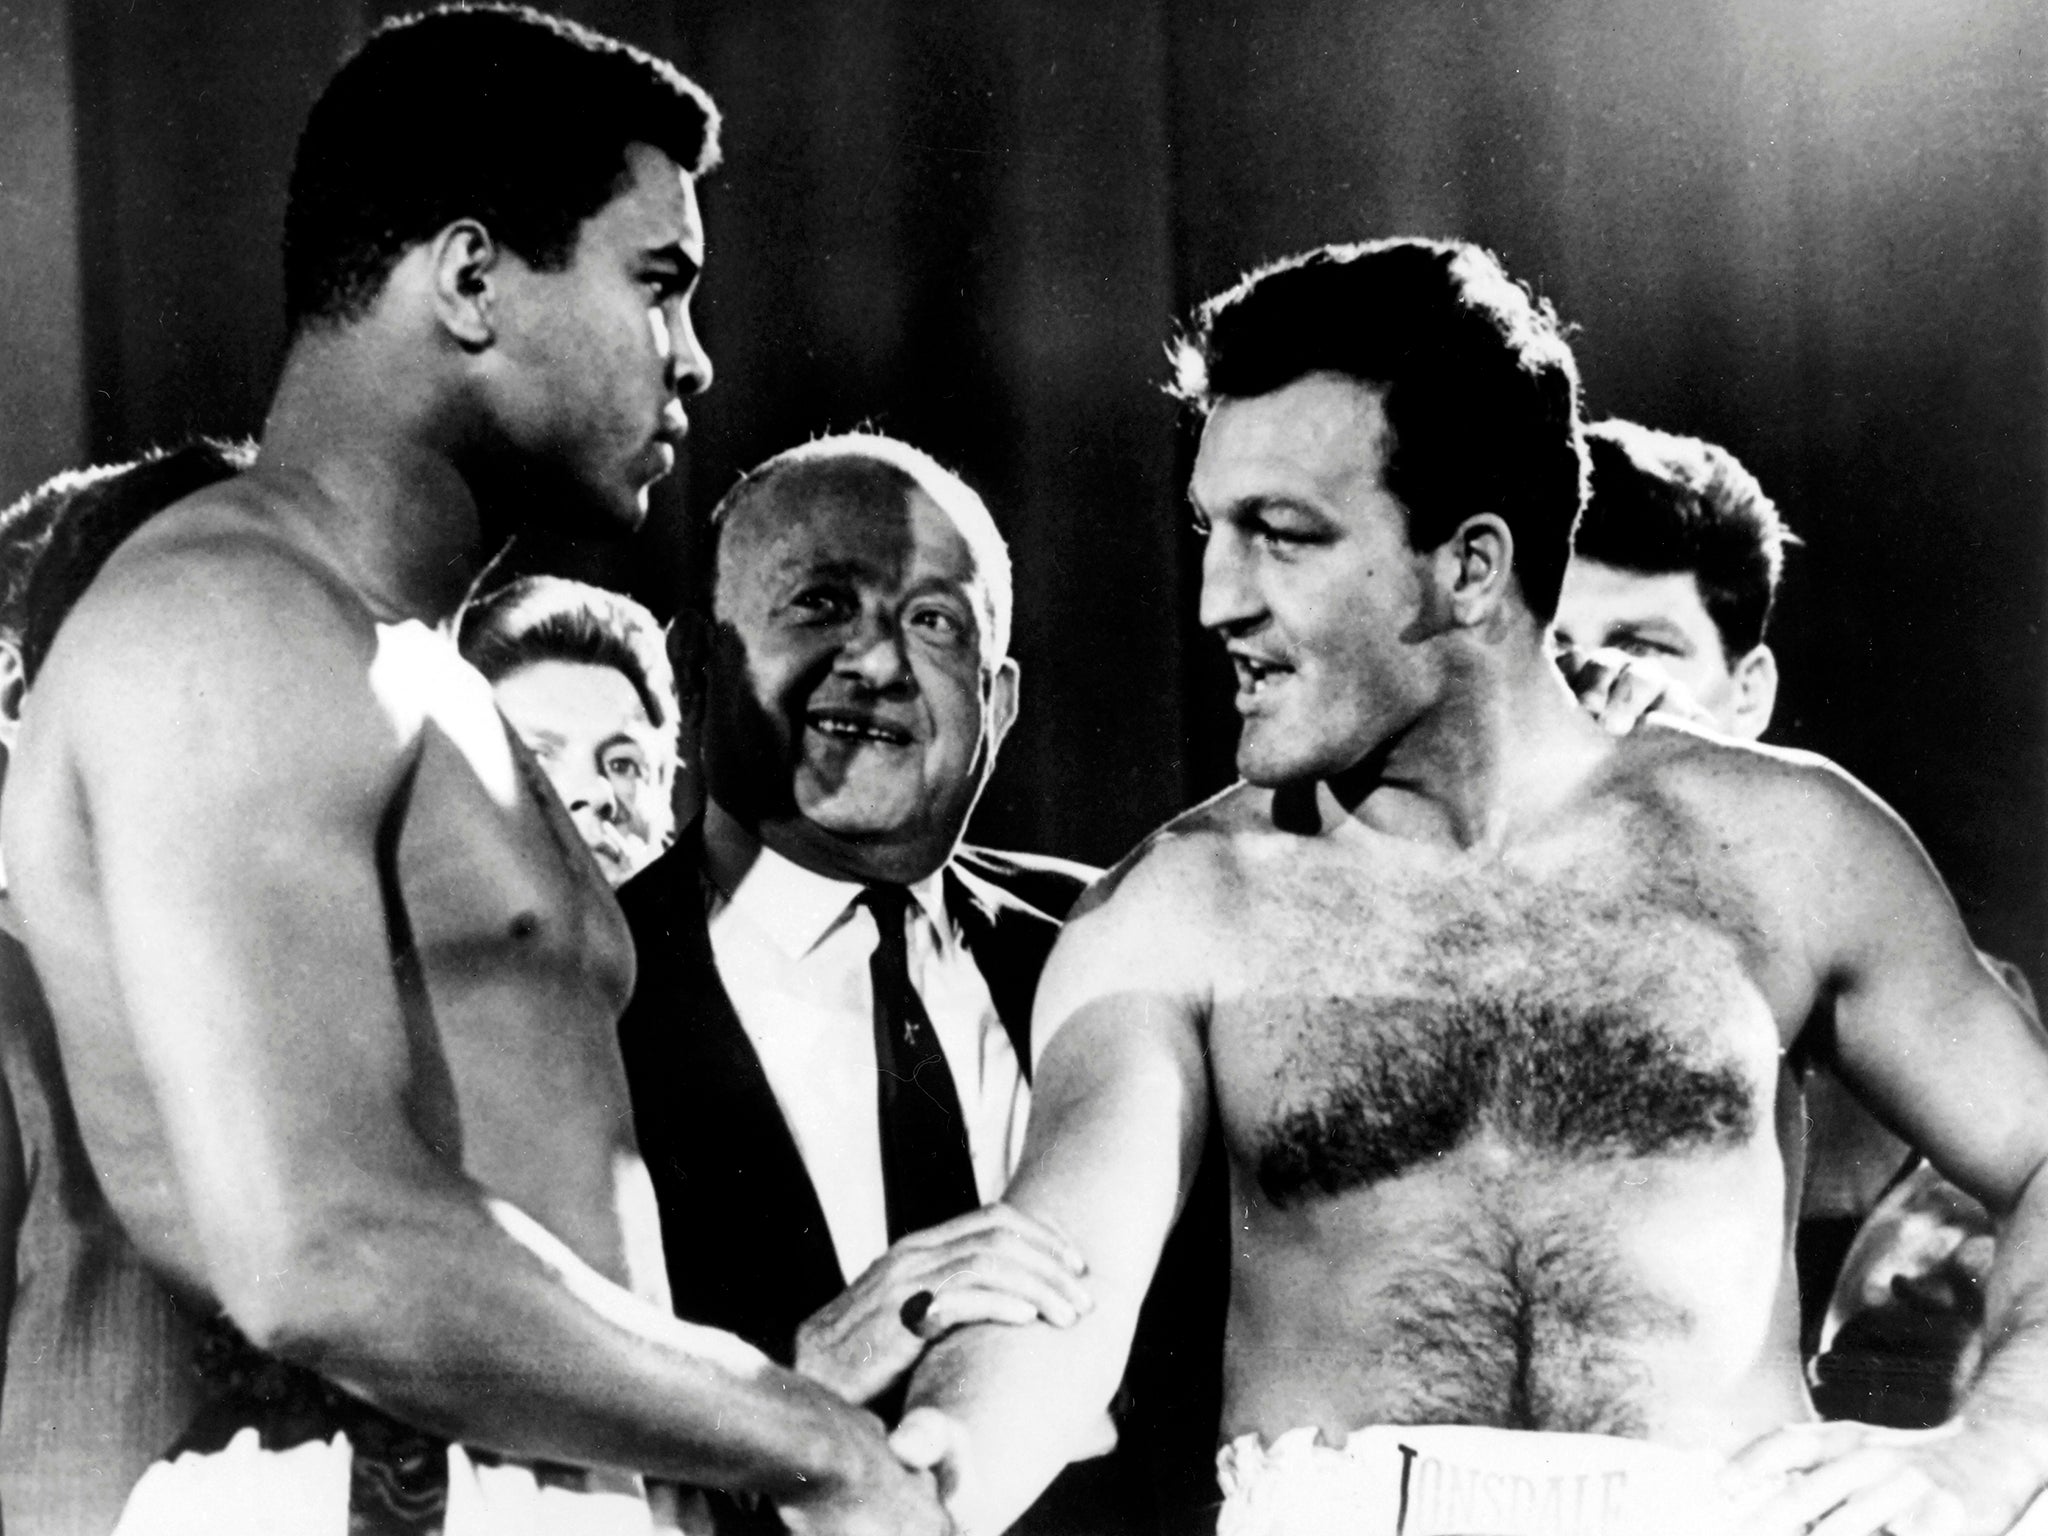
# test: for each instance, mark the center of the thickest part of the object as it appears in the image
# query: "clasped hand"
(994, 1265)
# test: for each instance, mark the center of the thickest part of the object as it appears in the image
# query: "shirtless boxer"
(335, 981)
(1490, 1009)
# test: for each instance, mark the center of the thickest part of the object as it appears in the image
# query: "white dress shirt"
(792, 949)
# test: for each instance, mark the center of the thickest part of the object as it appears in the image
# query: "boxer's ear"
(1755, 694)
(465, 263)
(1473, 566)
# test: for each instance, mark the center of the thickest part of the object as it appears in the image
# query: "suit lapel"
(746, 1238)
(1009, 942)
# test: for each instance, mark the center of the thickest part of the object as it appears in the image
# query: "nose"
(872, 654)
(689, 365)
(1230, 597)
(590, 789)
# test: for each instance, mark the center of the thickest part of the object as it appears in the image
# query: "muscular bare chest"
(514, 963)
(1589, 1001)
(497, 888)
(1504, 1131)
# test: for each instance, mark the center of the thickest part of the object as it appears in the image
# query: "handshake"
(993, 1265)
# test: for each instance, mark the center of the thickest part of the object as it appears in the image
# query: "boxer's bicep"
(1118, 1113)
(1924, 1032)
(1120, 1097)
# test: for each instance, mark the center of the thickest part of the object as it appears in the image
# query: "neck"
(1504, 745)
(369, 458)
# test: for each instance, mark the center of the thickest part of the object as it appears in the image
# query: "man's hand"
(1618, 690)
(1849, 1479)
(879, 1496)
(931, 1441)
(994, 1265)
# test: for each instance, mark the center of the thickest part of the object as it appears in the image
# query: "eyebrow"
(1253, 506)
(1651, 629)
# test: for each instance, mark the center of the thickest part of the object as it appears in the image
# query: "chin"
(855, 826)
(1273, 765)
(857, 805)
(626, 510)
(1269, 765)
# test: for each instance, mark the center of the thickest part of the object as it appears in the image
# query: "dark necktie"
(927, 1174)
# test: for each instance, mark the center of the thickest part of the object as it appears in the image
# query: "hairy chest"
(1599, 1008)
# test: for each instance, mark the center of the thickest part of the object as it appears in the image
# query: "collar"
(796, 907)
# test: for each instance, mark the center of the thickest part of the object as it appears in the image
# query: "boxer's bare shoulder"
(1777, 827)
(1191, 853)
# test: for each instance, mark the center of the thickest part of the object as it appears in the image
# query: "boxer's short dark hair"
(1479, 388)
(500, 114)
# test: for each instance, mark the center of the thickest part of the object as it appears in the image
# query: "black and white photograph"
(957, 767)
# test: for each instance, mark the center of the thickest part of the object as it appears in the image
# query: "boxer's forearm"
(1030, 1401)
(466, 1317)
(1115, 1135)
(2008, 1402)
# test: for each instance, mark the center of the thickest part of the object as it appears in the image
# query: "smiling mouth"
(859, 728)
(1253, 673)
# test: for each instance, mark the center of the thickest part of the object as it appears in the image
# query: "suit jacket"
(747, 1245)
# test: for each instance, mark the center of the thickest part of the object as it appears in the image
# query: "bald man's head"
(859, 677)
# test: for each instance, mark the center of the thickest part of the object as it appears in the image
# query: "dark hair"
(494, 113)
(1480, 391)
(550, 618)
(87, 515)
(1663, 503)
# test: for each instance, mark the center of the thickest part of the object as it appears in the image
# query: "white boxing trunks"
(316, 1488)
(276, 1448)
(1459, 1481)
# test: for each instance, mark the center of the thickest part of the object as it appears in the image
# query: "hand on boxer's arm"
(1618, 690)
(994, 1265)
(1850, 1479)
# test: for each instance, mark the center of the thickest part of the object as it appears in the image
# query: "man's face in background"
(611, 766)
(1662, 619)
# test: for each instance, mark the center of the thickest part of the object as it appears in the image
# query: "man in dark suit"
(828, 1047)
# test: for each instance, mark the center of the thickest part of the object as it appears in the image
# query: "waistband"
(1455, 1480)
(335, 1488)
(274, 1437)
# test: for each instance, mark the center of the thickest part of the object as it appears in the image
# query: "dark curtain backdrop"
(1813, 232)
